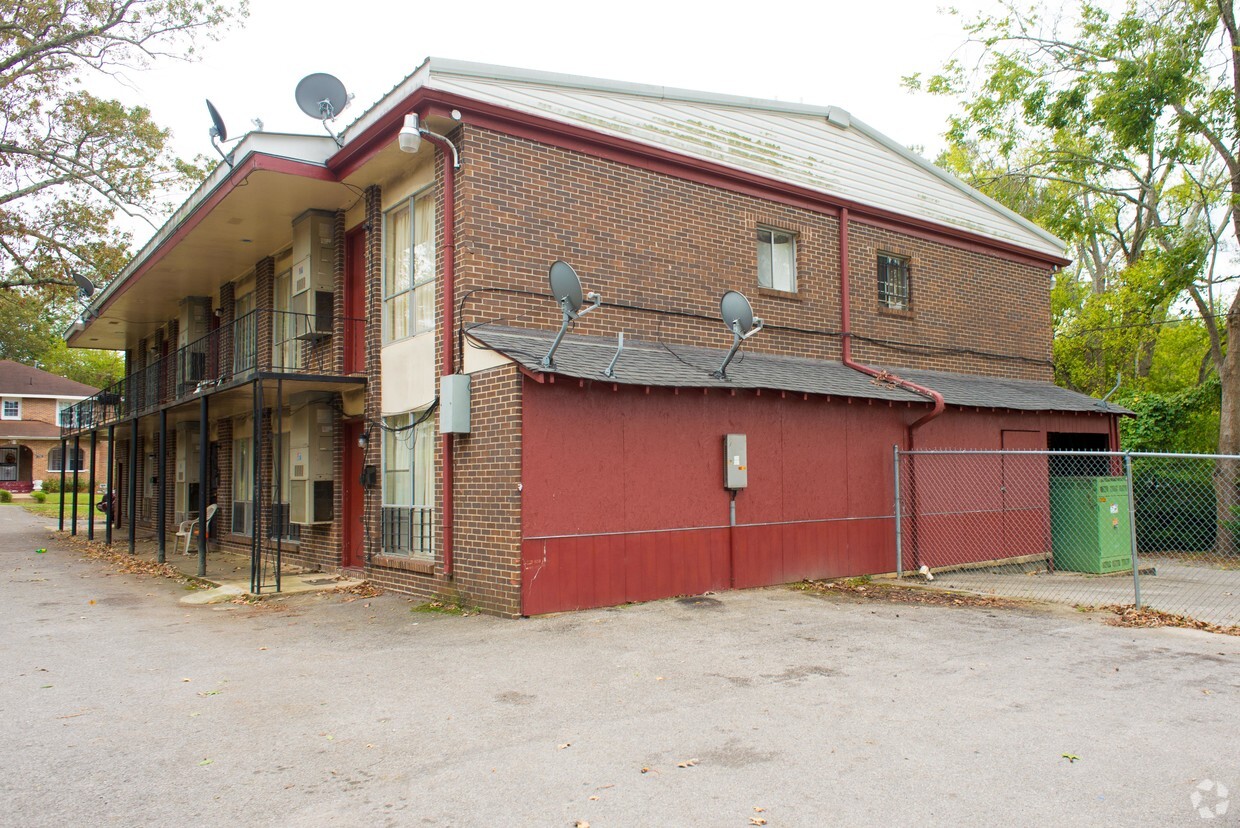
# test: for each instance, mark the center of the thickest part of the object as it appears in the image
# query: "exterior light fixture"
(363, 439)
(410, 138)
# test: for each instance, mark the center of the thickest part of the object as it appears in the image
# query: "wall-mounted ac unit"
(314, 272)
(312, 437)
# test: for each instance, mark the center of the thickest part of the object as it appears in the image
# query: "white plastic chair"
(188, 527)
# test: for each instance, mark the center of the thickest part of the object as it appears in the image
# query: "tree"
(71, 162)
(1131, 120)
(32, 329)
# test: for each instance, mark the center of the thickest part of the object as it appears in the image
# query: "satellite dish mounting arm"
(737, 339)
(570, 314)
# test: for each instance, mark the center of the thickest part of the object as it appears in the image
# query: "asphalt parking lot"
(124, 707)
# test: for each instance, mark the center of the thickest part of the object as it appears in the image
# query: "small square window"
(894, 282)
(777, 259)
(12, 409)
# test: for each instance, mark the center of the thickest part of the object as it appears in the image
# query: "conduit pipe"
(452, 162)
(846, 343)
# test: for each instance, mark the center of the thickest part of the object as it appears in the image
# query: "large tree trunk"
(1226, 472)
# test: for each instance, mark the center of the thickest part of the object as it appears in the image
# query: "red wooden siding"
(623, 496)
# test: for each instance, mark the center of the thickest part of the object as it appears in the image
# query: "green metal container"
(1090, 524)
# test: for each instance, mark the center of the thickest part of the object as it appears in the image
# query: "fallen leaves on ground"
(125, 562)
(863, 588)
(688, 763)
(1130, 616)
(364, 589)
(1071, 757)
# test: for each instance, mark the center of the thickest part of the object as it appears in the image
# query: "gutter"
(846, 343)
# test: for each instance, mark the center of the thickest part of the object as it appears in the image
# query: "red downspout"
(846, 341)
(449, 325)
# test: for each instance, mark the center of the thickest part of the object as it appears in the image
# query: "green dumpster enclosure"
(1090, 529)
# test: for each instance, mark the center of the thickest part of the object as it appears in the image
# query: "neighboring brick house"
(34, 405)
(307, 330)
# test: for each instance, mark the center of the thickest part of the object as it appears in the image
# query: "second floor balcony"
(260, 344)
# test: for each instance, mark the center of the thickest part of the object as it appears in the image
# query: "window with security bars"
(408, 485)
(894, 282)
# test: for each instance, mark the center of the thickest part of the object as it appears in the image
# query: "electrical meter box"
(454, 404)
(735, 462)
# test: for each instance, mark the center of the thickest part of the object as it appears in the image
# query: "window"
(777, 259)
(64, 413)
(12, 408)
(409, 485)
(894, 286)
(280, 527)
(243, 485)
(54, 460)
(409, 268)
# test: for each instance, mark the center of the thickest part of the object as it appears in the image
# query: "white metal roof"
(820, 148)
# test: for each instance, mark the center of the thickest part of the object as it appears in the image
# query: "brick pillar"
(264, 301)
(373, 499)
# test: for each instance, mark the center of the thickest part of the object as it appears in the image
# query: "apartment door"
(352, 554)
(354, 301)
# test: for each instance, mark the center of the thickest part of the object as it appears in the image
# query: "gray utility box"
(735, 462)
(454, 404)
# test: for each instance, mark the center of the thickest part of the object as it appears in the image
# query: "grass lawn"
(52, 507)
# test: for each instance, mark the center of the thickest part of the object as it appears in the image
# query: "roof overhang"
(237, 216)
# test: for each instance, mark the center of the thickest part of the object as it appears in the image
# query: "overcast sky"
(828, 53)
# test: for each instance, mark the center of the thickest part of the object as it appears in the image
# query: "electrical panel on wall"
(314, 270)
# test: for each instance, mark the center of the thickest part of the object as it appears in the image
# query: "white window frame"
(243, 473)
(899, 300)
(415, 323)
(419, 444)
(63, 406)
(4, 408)
(54, 454)
(770, 279)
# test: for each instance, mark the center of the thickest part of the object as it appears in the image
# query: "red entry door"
(354, 301)
(352, 554)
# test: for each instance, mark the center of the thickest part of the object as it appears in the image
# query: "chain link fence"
(1160, 531)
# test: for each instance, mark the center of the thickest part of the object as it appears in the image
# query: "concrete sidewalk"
(125, 707)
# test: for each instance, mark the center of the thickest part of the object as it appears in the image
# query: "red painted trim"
(255, 162)
(657, 159)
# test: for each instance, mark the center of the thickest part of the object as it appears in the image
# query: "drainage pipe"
(452, 162)
(846, 343)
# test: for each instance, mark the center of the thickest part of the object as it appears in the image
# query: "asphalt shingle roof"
(660, 365)
(17, 380)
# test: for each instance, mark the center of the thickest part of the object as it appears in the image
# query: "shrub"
(52, 484)
(6, 496)
(39, 497)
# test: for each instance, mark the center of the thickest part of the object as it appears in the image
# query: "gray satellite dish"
(86, 286)
(217, 130)
(566, 290)
(321, 96)
(737, 314)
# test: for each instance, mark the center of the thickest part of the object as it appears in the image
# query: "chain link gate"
(1085, 528)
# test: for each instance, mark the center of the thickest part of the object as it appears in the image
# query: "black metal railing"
(261, 341)
(409, 531)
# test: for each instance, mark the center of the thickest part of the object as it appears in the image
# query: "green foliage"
(1182, 421)
(6, 496)
(51, 485)
(39, 497)
(73, 162)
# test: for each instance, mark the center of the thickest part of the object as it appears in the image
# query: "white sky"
(827, 53)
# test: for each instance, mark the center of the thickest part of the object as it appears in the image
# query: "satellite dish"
(565, 284)
(321, 96)
(736, 310)
(85, 285)
(566, 290)
(737, 314)
(218, 130)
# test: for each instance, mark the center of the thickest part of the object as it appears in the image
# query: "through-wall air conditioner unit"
(312, 437)
(314, 273)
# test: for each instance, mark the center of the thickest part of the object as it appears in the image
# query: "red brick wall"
(647, 239)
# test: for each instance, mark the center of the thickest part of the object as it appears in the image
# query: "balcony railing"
(262, 341)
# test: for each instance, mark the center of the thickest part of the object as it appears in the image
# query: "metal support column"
(77, 452)
(1132, 533)
(107, 532)
(895, 450)
(162, 459)
(64, 458)
(204, 444)
(90, 500)
(131, 496)
(277, 464)
(256, 522)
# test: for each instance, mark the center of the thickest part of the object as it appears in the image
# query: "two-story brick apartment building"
(346, 346)
(33, 407)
